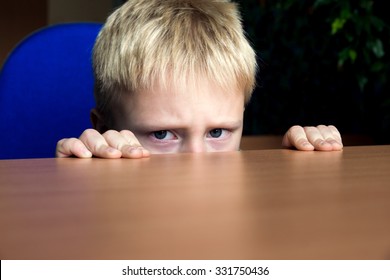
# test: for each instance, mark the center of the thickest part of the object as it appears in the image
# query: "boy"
(175, 76)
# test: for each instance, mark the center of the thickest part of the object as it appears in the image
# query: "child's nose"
(194, 146)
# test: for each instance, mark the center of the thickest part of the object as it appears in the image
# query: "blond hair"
(146, 43)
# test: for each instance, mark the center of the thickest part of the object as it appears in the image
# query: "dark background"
(321, 62)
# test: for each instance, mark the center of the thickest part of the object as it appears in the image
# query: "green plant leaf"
(377, 48)
(337, 25)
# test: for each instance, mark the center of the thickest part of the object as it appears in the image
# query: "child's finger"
(331, 135)
(126, 142)
(97, 144)
(316, 139)
(133, 141)
(72, 147)
(296, 137)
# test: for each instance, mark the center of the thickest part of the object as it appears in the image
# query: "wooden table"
(269, 204)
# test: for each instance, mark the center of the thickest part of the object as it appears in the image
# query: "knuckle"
(130, 137)
(110, 133)
(65, 142)
(61, 142)
(309, 129)
(127, 133)
(321, 126)
(88, 133)
(295, 129)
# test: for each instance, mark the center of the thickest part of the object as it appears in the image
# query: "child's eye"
(163, 135)
(217, 133)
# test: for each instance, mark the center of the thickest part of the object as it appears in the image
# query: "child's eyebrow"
(227, 124)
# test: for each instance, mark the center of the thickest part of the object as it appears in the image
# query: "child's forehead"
(191, 86)
(203, 104)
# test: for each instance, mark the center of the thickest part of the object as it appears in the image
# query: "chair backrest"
(46, 90)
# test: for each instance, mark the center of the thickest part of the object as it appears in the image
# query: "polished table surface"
(258, 204)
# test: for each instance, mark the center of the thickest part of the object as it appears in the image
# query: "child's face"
(202, 118)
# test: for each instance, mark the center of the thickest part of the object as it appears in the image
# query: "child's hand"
(309, 138)
(111, 144)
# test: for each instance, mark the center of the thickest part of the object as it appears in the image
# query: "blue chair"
(46, 90)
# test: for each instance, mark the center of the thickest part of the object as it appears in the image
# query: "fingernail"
(306, 144)
(87, 153)
(135, 149)
(111, 150)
